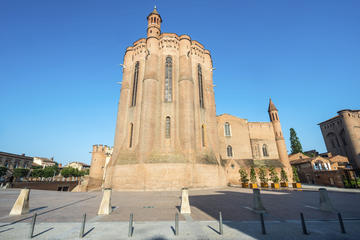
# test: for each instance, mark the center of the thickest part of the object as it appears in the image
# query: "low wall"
(53, 186)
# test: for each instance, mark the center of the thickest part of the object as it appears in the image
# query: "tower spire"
(272, 106)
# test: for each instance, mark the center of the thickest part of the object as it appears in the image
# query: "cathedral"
(167, 133)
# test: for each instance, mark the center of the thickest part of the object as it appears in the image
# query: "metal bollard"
(263, 231)
(176, 224)
(220, 224)
(303, 224)
(342, 227)
(82, 229)
(31, 233)
(130, 233)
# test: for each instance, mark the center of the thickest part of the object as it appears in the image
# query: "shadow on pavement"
(54, 209)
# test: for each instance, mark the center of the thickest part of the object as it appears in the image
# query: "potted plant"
(263, 177)
(296, 180)
(244, 178)
(253, 183)
(274, 178)
(283, 178)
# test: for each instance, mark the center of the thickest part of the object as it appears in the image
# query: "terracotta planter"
(264, 185)
(253, 185)
(275, 185)
(284, 184)
(245, 185)
(296, 185)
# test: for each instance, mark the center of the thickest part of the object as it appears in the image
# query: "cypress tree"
(295, 142)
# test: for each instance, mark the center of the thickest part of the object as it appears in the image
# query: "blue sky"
(59, 64)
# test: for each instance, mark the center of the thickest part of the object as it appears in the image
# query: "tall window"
(135, 84)
(265, 150)
(229, 151)
(168, 80)
(167, 127)
(131, 134)
(201, 94)
(203, 135)
(227, 129)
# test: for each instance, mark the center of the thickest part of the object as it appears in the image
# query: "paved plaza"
(60, 215)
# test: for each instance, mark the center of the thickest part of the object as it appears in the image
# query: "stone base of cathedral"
(158, 176)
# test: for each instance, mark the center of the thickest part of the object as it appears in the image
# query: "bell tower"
(154, 24)
(279, 137)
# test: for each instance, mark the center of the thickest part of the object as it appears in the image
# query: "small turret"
(154, 24)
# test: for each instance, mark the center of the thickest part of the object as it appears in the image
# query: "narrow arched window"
(131, 134)
(229, 151)
(200, 81)
(277, 118)
(168, 79)
(265, 150)
(273, 117)
(227, 129)
(135, 84)
(203, 135)
(167, 127)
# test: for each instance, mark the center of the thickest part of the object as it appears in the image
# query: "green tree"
(295, 174)
(72, 172)
(263, 175)
(273, 175)
(2, 171)
(283, 176)
(50, 171)
(20, 172)
(243, 175)
(252, 175)
(295, 142)
(37, 173)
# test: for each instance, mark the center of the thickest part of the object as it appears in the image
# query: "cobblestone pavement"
(60, 214)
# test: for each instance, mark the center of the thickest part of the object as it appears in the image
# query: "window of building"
(227, 129)
(168, 79)
(167, 127)
(200, 81)
(131, 134)
(265, 150)
(229, 151)
(135, 84)
(203, 135)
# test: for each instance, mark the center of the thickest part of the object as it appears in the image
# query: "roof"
(155, 12)
(297, 156)
(272, 106)
(16, 155)
(339, 158)
(307, 160)
(329, 119)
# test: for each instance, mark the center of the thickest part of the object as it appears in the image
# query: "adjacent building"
(12, 161)
(342, 135)
(321, 170)
(44, 162)
(78, 165)
(167, 133)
